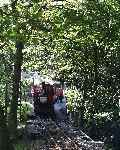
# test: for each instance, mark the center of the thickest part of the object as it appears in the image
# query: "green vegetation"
(74, 41)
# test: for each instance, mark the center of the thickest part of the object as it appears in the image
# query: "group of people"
(44, 97)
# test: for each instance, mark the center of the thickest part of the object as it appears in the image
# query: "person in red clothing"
(59, 94)
(35, 90)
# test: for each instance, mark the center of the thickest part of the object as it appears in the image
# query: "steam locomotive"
(49, 101)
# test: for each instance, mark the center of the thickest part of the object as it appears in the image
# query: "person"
(59, 94)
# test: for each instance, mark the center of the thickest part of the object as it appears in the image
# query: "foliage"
(86, 52)
(73, 41)
(20, 147)
(23, 110)
(73, 97)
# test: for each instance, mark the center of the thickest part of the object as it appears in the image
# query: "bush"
(26, 108)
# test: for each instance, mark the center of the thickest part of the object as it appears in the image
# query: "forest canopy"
(74, 41)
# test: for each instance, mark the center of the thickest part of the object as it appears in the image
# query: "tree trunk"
(16, 86)
(6, 100)
(4, 134)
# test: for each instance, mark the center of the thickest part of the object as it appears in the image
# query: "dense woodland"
(75, 41)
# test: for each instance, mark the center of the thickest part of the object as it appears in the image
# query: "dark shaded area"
(105, 130)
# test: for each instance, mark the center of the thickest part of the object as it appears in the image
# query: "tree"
(22, 22)
(85, 40)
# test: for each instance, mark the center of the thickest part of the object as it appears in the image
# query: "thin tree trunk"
(6, 100)
(95, 102)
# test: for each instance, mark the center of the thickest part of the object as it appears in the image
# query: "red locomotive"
(45, 96)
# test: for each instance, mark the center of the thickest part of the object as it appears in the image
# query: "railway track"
(63, 140)
(60, 135)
